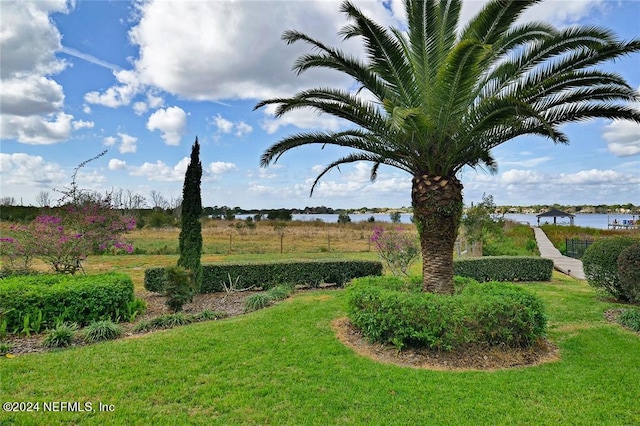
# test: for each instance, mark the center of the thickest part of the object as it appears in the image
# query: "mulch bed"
(466, 359)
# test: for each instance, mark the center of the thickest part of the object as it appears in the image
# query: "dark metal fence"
(576, 248)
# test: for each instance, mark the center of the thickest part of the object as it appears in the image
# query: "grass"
(284, 365)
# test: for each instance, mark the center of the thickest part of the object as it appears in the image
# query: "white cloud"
(26, 170)
(153, 102)
(623, 138)
(239, 128)
(172, 122)
(301, 118)
(242, 129)
(30, 95)
(596, 177)
(223, 125)
(177, 58)
(531, 162)
(80, 124)
(32, 102)
(128, 143)
(109, 141)
(160, 171)
(523, 177)
(36, 130)
(119, 95)
(220, 167)
(29, 38)
(115, 164)
(528, 187)
(140, 108)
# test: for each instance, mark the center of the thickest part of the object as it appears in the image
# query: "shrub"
(398, 251)
(154, 279)
(143, 326)
(80, 299)
(600, 263)
(172, 320)
(256, 301)
(208, 314)
(102, 330)
(267, 275)
(60, 336)
(505, 268)
(502, 314)
(280, 292)
(179, 287)
(630, 318)
(134, 308)
(5, 348)
(629, 272)
(391, 311)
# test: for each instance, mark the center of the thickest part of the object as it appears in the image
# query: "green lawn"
(284, 365)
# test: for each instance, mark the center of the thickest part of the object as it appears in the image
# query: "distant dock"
(624, 224)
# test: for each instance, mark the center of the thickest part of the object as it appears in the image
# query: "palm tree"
(444, 98)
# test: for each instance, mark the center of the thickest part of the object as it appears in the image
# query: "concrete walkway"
(566, 265)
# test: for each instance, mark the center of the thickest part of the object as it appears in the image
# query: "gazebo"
(555, 213)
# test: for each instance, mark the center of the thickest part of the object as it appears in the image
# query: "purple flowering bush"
(396, 249)
(64, 241)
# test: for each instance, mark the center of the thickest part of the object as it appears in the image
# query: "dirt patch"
(472, 358)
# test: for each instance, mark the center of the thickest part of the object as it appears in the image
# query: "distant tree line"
(156, 210)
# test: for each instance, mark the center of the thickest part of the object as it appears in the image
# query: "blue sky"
(143, 79)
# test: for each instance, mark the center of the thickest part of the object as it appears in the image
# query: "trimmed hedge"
(71, 298)
(505, 268)
(389, 311)
(600, 263)
(629, 272)
(267, 275)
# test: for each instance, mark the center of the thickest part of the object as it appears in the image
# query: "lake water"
(599, 221)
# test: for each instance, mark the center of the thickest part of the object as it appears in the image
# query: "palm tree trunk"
(437, 209)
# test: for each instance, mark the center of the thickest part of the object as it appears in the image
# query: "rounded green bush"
(600, 263)
(388, 310)
(629, 272)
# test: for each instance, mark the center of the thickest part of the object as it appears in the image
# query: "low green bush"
(60, 336)
(505, 268)
(267, 275)
(391, 311)
(630, 318)
(164, 321)
(629, 272)
(5, 348)
(208, 315)
(102, 330)
(280, 292)
(256, 301)
(600, 263)
(80, 299)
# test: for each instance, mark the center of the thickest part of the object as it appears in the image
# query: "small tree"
(344, 218)
(478, 220)
(191, 230)
(179, 287)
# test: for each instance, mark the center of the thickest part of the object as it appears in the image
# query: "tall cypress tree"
(191, 229)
